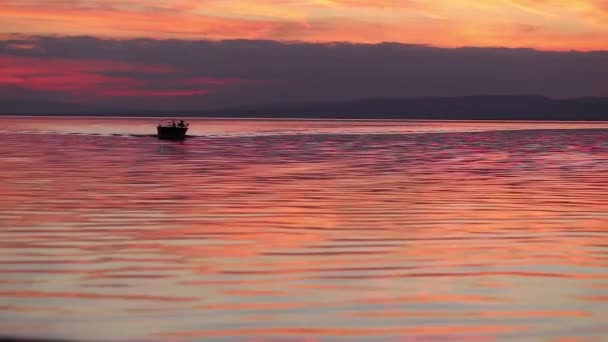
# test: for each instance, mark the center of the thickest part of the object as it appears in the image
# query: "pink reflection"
(259, 226)
(35, 294)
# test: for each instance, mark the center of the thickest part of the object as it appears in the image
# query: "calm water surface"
(304, 230)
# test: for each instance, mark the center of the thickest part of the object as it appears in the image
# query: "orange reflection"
(268, 224)
(34, 294)
(445, 331)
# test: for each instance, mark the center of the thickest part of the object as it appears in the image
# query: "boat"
(172, 130)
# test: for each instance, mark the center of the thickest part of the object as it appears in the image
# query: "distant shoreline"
(466, 108)
(118, 116)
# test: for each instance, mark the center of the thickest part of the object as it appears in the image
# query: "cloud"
(94, 80)
(562, 24)
(122, 19)
(191, 74)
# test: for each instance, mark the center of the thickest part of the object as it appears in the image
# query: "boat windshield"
(172, 123)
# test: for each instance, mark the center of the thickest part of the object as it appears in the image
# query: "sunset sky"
(43, 57)
(546, 24)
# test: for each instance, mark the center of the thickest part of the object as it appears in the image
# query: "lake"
(293, 230)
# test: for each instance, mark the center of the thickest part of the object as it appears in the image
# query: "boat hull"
(171, 133)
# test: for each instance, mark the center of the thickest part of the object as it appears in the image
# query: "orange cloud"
(547, 24)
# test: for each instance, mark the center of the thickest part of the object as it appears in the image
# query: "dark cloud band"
(212, 74)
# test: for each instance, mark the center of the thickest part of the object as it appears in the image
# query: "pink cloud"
(99, 79)
(150, 93)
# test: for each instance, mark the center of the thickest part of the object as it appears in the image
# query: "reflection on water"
(305, 230)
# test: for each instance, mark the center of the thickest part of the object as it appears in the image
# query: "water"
(305, 230)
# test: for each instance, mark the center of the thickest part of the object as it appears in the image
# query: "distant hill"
(440, 108)
(483, 107)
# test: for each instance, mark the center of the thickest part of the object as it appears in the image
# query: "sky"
(200, 54)
(541, 24)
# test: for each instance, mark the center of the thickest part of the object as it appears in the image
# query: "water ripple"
(328, 230)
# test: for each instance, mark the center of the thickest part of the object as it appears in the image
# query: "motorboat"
(172, 129)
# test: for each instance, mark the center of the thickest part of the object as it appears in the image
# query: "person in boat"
(173, 122)
(181, 123)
